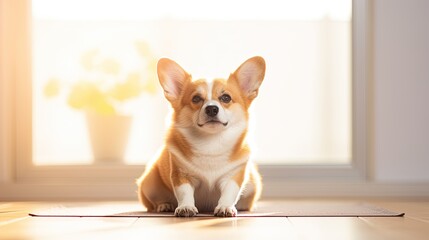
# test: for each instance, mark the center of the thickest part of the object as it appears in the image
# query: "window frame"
(18, 174)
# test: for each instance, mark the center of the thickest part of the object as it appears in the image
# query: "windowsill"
(125, 191)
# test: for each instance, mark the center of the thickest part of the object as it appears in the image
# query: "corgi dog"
(204, 165)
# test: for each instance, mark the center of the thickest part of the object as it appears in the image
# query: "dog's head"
(211, 106)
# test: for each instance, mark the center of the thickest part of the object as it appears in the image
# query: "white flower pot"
(109, 136)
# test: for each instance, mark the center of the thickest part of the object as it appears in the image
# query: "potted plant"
(102, 94)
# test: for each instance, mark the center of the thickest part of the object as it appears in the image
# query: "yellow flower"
(80, 94)
(132, 87)
(52, 88)
(87, 59)
(101, 105)
(86, 95)
(104, 96)
(110, 66)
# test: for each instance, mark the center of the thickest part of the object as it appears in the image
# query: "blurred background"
(344, 99)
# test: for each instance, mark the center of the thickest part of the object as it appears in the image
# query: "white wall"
(401, 90)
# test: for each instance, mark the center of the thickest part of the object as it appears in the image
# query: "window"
(100, 49)
(313, 127)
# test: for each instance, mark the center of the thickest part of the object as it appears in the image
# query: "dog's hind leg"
(153, 193)
(251, 192)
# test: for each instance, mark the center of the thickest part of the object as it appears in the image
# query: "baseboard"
(345, 189)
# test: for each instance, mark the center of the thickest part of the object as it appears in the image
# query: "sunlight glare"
(192, 9)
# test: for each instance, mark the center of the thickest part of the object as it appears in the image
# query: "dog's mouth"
(213, 122)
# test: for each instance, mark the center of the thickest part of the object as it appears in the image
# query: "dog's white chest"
(210, 169)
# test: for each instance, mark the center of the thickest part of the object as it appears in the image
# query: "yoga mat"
(265, 209)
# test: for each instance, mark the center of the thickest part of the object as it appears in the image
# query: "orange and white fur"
(204, 165)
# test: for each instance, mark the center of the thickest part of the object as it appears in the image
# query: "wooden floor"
(16, 224)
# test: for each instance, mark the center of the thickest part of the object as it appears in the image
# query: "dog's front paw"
(186, 211)
(225, 211)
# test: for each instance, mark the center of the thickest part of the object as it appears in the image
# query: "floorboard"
(15, 224)
(334, 228)
(400, 228)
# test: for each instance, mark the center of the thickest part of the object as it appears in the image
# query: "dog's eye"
(225, 98)
(196, 99)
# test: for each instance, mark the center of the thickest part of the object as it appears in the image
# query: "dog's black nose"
(212, 110)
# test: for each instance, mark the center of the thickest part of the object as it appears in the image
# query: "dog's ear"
(172, 78)
(250, 75)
